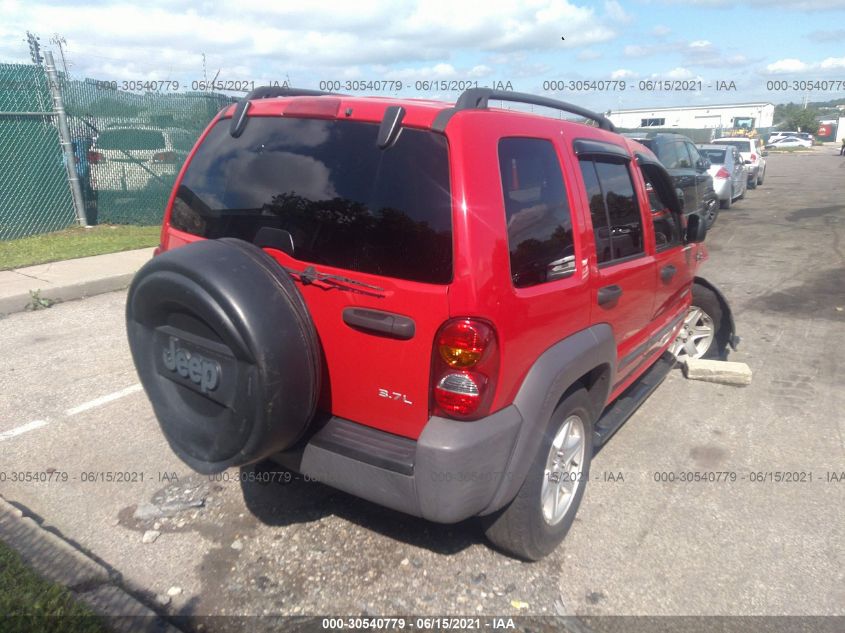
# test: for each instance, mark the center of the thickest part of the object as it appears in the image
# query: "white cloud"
(833, 62)
(614, 11)
(700, 44)
(622, 73)
(661, 30)
(111, 39)
(786, 66)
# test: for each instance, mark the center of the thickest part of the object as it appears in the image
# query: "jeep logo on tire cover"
(201, 371)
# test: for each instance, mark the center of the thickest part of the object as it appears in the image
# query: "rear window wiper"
(311, 275)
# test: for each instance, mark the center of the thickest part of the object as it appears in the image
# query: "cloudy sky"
(525, 42)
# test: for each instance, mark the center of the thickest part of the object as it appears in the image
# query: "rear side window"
(537, 212)
(617, 224)
(344, 201)
(130, 139)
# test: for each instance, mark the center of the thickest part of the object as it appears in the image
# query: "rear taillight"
(753, 157)
(164, 157)
(722, 173)
(465, 366)
(94, 157)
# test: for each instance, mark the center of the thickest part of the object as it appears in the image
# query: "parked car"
(441, 308)
(730, 175)
(788, 141)
(787, 134)
(688, 170)
(753, 153)
(133, 158)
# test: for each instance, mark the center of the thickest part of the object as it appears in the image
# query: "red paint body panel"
(528, 321)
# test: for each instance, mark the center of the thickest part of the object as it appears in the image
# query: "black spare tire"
(226, 351)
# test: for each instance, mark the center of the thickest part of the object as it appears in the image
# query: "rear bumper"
(451, 473)
(722, 188)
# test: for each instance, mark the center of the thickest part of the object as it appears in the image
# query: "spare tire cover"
(226, 351)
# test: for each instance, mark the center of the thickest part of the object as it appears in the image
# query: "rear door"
(623, 284)
(673, 270)
(323, 199)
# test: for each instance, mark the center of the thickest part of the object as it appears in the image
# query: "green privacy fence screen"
(34, 192)
(128, 148)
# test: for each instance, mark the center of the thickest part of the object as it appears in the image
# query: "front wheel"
(539, 517)
(703, 332)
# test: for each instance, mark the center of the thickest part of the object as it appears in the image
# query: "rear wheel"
(703, 332)
(711, 213)
(726, 204)
(761, 177)
(752, 182)
(542, 512)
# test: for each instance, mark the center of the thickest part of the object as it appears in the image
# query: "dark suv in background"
(688, 169)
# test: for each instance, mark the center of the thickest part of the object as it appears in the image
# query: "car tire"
(761, 178)
(752, 183)
(532, 525)
(711, 213)
(226, 350)
(704, 333)
(726, 204)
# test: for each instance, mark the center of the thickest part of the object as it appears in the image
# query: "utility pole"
(60, 41)
(65, 139)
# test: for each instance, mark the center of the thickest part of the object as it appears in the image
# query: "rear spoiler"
(239, 118)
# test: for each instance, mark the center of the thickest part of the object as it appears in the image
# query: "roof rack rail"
(239, 118)
(477, 99)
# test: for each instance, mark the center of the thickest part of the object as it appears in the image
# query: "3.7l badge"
(393, 395)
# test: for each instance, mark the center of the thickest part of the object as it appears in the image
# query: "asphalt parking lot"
(758, 545)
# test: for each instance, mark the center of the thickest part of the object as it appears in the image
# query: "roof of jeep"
(418, 112)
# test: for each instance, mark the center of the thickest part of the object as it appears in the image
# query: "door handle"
(667, 272)
(377, 321)
(609, 295)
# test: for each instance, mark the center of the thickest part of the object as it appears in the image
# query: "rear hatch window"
(742, 146)
(715, 156)
(345, 202)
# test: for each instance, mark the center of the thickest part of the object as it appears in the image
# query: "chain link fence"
(34, 192)
(128, 149)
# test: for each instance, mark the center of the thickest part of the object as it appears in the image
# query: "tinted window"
(130, 139)
(693, 154)
(611, 182)
(667, 152)
(344, 201)
(537, 212)
(684, 159)
(667, 225)
(715, 156)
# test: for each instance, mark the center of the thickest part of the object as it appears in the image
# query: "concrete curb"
(59, 561)
(70, 279)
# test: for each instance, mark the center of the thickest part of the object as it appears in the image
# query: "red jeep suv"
(442, 308)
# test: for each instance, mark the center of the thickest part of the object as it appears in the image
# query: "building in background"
(749, 116)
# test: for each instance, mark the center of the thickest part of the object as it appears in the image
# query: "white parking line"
(23, 428)
(96, 402)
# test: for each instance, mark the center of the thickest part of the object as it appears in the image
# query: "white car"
(788, 141)
(753, 154)
(787, 134)
(132, 158)
(729, 172)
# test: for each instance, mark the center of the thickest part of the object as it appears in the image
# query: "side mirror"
(702, 164)
(680, 193)
(765, 152)
(696, 229)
